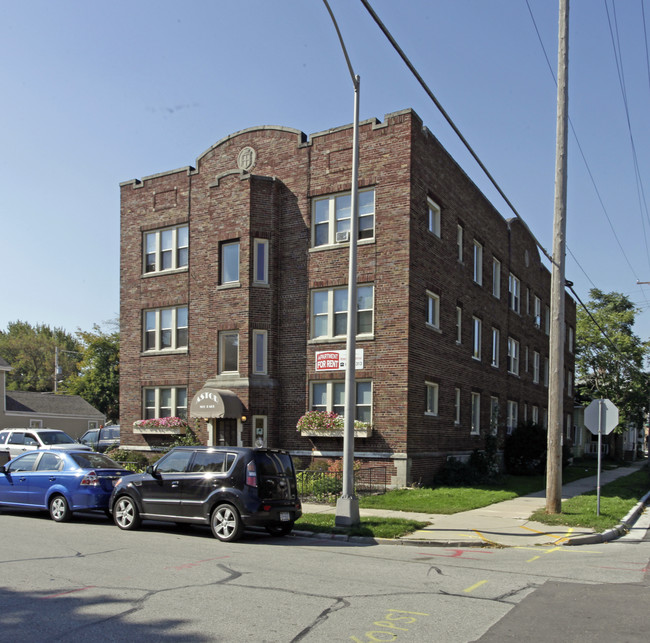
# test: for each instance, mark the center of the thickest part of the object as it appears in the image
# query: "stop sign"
(603, 415)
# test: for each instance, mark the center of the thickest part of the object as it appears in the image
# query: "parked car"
(18, 441)
(102, 439)
(59, 481)
(228, 488)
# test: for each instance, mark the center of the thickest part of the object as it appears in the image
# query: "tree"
(30, 351)
(98, 378)
(603, 371)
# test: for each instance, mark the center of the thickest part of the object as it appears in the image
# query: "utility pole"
(347, 506)
(556, 343)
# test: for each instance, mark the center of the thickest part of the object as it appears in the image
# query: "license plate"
(285, 516)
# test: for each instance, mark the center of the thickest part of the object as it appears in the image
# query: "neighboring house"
(28, 409)
(234, 300)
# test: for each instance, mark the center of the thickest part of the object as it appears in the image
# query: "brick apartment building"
(234, 285)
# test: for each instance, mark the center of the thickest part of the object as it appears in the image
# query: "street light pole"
(347, 506)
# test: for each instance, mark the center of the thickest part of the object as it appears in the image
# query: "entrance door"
(225, 430)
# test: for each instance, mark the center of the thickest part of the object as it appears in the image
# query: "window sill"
(160, 273)
(231, 284)
(339, 340)
(335, 433)
(345, 244)
(176, 351)
(432, 327)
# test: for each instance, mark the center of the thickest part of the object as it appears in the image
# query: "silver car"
(19, 441)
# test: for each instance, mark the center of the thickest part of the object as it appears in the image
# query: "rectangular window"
(434, 217)
(514, 293)
(432, 398)
(229, 352)
(459, 324)
(331, 218)
(513, 356)
(536, 366)
(459, 242)
(495, 347)
(165, 329)
(534, 415)
(167, 401)
(330, 397)
(547, 320)
(476, 414)
(476, 349)
(570, 334)
(166, 249)
(230, 262)
(537, 312)
(329, 317)
(457, 406)
(496, 277)
(546, 371)
(433, 310)
(478, 263)
(494, 414)
(512, 419)
(260, 350)
(261, 261)
(569, 383)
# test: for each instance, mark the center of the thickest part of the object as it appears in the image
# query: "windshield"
(92, 460)
(274, 464)
(55, 437)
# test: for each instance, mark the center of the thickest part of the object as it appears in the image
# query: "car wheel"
(59, 509)
(225, 523)
(281, 529)
(126, 514)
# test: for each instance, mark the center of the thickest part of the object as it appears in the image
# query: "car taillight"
(251, 474)
(90, 479)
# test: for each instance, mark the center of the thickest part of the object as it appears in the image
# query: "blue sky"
(100, 93)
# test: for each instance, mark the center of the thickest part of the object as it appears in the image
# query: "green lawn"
(616, 499)
(373, 527)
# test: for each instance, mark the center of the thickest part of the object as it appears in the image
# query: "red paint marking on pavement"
(195, 564)
(457, 553)
(71, 591)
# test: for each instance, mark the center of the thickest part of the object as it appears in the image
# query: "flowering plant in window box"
(163, 426)
(329, 425)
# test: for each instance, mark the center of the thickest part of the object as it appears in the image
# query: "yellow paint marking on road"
(572, 550)
(530, 560)
(475, 586)
(484, 539)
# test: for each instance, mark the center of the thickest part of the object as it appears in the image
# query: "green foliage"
(30, 351)
(98, 378)
(190, 438)
(601, 370)
(481, 468)
(131, 460)
(525, 450)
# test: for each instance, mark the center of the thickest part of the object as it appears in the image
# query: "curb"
(615, 532)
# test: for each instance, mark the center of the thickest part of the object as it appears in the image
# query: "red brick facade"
(272, 199)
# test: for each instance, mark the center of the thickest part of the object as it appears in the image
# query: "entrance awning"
(215, 403)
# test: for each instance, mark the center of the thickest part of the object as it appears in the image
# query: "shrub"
(525, 450)
(131, 460)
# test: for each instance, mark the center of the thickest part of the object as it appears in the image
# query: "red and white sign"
(336, 360)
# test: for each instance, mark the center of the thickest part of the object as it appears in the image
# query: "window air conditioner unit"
(343, 237)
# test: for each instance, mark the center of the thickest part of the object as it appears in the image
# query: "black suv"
(229, 488)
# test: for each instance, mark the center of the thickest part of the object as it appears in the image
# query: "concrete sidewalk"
(507, 524)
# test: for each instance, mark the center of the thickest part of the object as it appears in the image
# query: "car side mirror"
(151, 470)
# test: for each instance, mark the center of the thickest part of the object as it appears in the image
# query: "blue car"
(60, 481)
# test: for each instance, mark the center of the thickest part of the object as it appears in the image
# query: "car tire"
(59, 508)
(226, 523)
(125, 513)
(282, 529)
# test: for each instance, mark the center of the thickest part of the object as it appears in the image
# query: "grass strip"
(371, 527)
(616, 499)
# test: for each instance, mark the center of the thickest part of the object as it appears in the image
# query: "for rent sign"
(336, 360)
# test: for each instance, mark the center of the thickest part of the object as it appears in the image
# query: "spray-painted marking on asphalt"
(471, 588)
(392, 626)
(70, 591)
(195, 564)
(458, 553)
